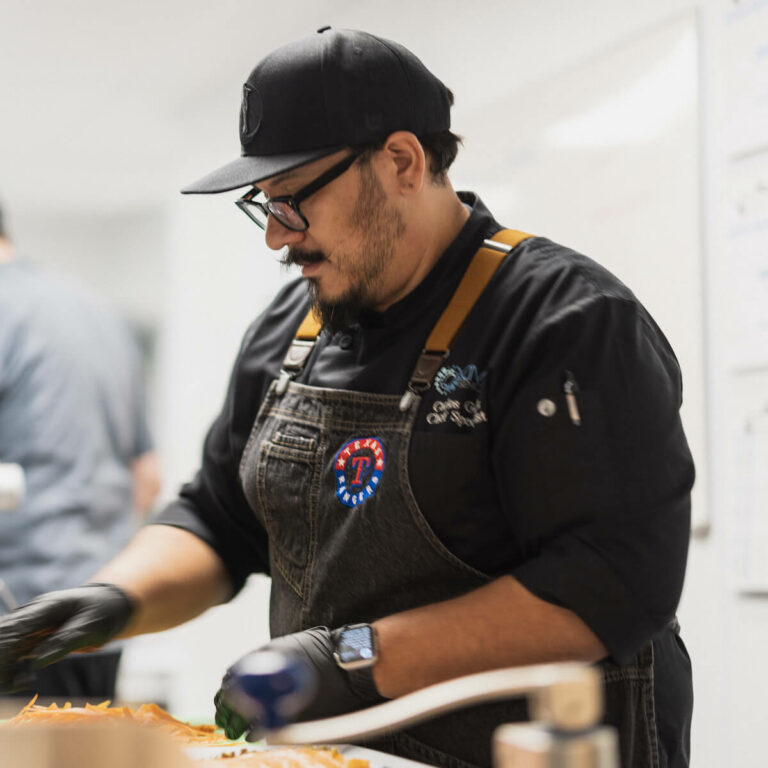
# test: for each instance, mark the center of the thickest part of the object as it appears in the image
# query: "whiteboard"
(605, 158)
(746, 237)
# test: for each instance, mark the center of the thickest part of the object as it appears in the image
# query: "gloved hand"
(335, 694)
(57, 623)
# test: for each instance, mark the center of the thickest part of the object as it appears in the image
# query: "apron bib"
(326, 474)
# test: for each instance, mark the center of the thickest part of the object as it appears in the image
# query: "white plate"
(374, 757)
(216, 750)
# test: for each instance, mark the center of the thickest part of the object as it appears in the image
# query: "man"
(72, 414)
(496, 480)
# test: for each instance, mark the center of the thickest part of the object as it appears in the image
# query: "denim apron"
(326, 473)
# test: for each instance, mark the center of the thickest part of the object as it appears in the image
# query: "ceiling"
(108, 105)
(101, 101)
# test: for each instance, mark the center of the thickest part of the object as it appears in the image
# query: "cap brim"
(250, 169)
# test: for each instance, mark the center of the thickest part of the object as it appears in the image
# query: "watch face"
(356, 645)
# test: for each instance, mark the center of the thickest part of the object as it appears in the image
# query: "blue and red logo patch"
(358, 466)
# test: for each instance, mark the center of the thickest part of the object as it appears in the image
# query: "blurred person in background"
(73, 415)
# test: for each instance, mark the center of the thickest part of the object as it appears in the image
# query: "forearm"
(171, 576)
(499, 625)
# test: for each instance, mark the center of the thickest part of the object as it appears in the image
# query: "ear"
(406, 162)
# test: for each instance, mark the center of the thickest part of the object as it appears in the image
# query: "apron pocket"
(629, 703)
(292, 436)
(286, 489)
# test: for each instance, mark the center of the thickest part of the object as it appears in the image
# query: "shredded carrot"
(146, 714)
(152, 715)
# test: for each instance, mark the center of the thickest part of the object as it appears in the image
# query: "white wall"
(217, 275)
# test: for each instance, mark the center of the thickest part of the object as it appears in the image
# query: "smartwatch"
(355, 647)
(356, 650)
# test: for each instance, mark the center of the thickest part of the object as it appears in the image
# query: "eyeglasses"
(285, 208)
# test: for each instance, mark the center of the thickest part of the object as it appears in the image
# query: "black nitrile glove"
(335, 693)
(57, 623)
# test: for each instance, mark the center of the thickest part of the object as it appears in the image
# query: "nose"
(277, 236)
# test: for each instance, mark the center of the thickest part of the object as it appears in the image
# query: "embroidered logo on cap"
(251, 112)
(358, 467)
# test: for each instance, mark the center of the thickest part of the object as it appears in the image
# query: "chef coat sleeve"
(602, 509)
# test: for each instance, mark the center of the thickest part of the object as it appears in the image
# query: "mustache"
(293, 257)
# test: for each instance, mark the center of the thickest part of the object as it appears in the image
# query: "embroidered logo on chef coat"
(453, 377)
(359, 466)
(466, 413)
(460, 404)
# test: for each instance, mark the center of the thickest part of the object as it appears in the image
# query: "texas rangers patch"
(359, 466)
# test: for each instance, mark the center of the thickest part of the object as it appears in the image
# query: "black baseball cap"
(334, 89)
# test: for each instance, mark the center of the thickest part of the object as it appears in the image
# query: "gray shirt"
(72, 415)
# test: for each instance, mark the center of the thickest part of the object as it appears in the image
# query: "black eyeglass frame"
(246, 202)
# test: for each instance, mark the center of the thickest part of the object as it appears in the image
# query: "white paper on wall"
(746, 76)
(747, 258)
(752, 506)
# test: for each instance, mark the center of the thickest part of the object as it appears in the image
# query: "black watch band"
(362, 683)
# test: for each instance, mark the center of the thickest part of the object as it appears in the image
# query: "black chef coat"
(592, 516)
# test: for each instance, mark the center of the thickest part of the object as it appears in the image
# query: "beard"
(381, 226)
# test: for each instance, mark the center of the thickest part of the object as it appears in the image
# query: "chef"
(450, 455)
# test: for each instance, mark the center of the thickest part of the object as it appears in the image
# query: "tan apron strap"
(310, 327)
(479, 273)
(300, 349)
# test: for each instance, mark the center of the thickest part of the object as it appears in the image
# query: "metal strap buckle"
(294, 361)
(297, 355)
(428, 365)
(426, 368)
